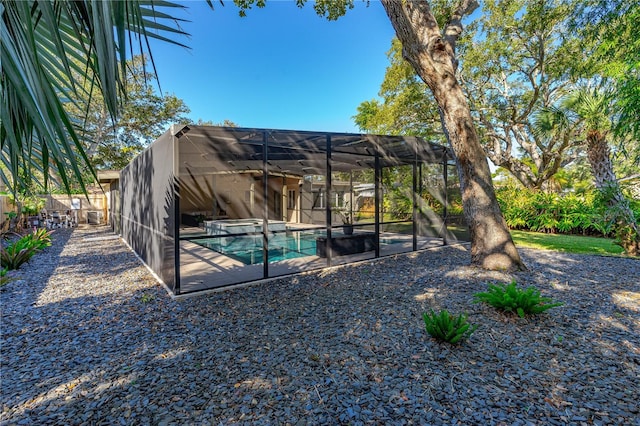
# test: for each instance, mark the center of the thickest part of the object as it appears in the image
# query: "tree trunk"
(606, 182)
(433, 57)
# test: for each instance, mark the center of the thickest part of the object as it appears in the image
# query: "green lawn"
(567, 243)
(558, 242)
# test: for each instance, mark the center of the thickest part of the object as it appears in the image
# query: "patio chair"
(56, 220)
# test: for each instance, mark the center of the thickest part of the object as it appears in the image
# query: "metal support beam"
(421, 220)
(414, 191)
(351, 197)
(445, 198)
(377, 200)
(176, 221)
(265, 207)
(327, 204)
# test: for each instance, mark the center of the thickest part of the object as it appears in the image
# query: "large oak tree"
(514, 62)
(432, 52)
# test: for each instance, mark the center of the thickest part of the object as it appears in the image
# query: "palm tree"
(46, 45)
(587, 115)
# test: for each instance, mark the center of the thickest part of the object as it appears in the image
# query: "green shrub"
(39, 239)
(545, 217)
(446, 327)
(20, 251)
(535, 210)
(146, 298)
(516, 208)
(510, 298)
(15, 255)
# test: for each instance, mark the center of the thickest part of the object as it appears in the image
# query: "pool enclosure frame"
(193, 181)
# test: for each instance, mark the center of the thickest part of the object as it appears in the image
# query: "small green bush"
(146, 298)
(20, 251)
(446, 327)
(39, 239)
(510, 298)
(15, 255)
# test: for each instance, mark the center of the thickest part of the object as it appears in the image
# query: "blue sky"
(278, 67)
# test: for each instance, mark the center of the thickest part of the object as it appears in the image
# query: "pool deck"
(205, 269)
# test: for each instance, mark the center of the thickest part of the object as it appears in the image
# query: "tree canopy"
(518, 59)
(111, 142)
(516, 64)
(612, 40)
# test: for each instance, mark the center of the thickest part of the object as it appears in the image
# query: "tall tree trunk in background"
(432, 55)
(606, 182)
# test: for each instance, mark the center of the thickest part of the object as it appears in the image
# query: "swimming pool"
(248, 248)
(282, 246)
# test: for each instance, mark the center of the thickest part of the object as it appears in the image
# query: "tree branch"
(416, 26)
(454, 27)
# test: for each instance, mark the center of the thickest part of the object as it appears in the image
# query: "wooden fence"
(89, 210)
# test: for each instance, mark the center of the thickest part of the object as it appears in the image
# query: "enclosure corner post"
(265, 207)
(414, 201)
(377, 201)
(327, 205)
(445, 201)
(176, 213)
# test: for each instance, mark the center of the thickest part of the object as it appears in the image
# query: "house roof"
(106, 176)
(203, 149)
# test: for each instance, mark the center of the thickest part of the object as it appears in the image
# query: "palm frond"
(551, 122)
(46, 46)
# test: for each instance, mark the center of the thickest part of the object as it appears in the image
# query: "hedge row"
(539, 211)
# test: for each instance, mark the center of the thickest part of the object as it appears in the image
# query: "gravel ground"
(89, 337)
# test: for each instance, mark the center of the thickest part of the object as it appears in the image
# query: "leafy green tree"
(45, 46)
(507, 78)
(111, 143)
(517, 64)
(611, 41)
(587, 114)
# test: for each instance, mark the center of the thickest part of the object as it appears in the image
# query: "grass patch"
(538, 240)
(566, 243)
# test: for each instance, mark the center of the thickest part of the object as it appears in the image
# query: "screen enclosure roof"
(211, 149)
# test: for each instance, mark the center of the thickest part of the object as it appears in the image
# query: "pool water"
(282, 246)
(248, 248)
